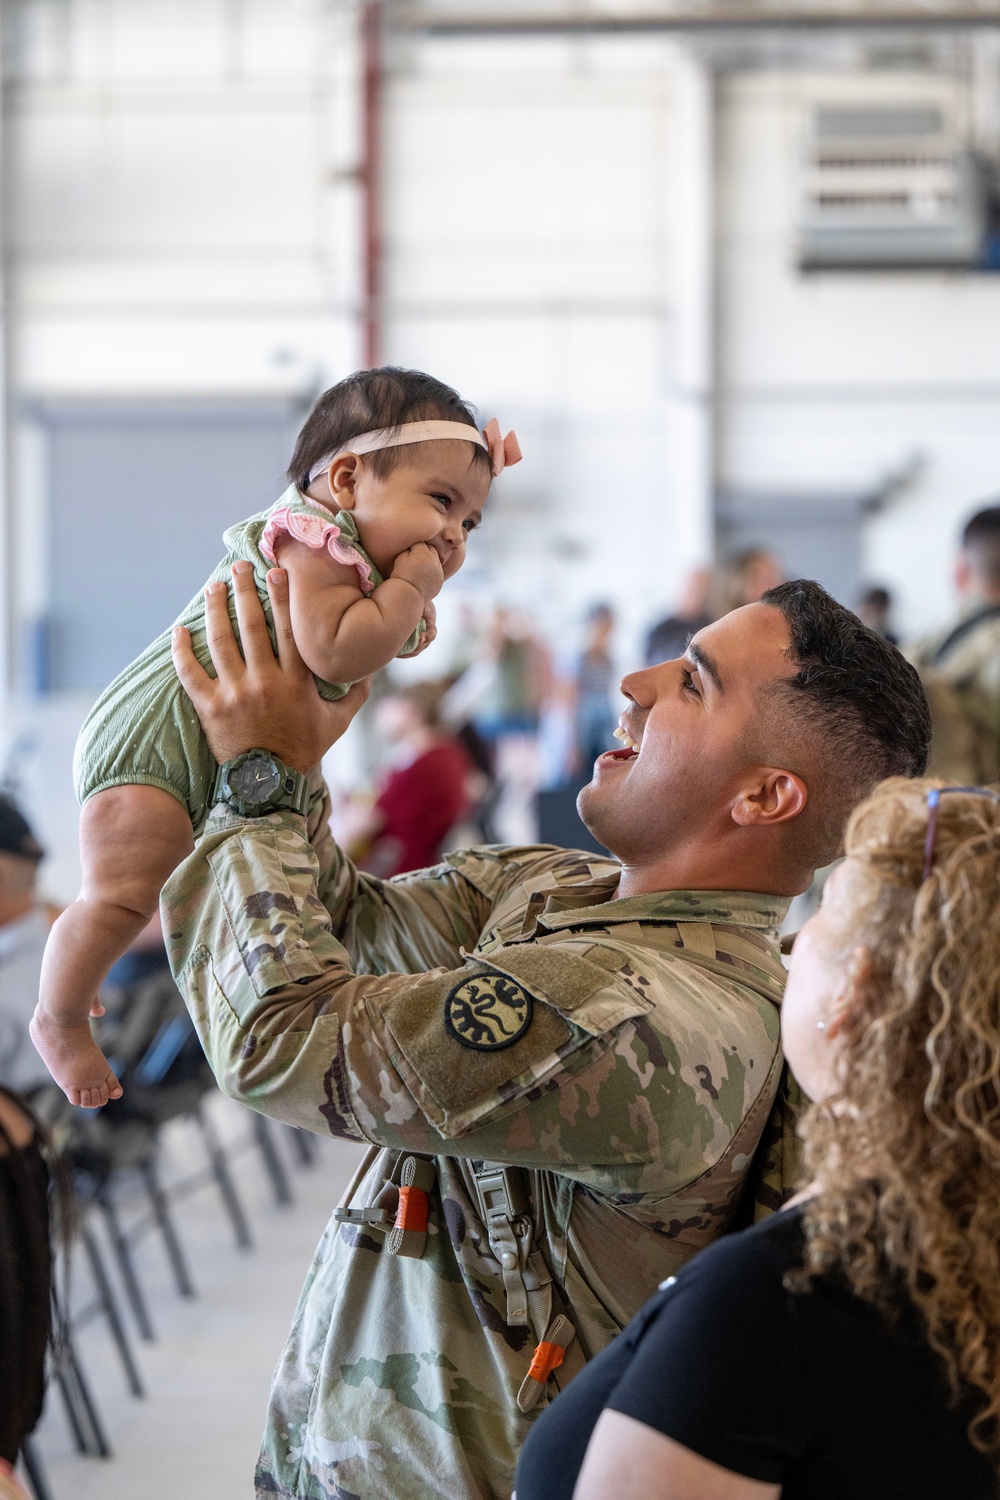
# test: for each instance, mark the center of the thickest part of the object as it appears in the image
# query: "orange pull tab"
(546, 1358)
(412, 1211)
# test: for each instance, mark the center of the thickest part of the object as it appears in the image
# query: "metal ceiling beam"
(690, 19)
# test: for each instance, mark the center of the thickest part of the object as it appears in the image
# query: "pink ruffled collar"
(318, 533)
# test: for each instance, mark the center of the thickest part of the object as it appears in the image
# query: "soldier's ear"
(773, 796)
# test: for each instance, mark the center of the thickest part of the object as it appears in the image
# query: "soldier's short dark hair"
(981, 537)
(368, 401)
(855, 694)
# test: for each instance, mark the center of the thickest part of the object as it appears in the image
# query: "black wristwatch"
(257, 782)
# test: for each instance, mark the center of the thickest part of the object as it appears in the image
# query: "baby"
(390, 474)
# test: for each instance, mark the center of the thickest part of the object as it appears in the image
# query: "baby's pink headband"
(502, 451)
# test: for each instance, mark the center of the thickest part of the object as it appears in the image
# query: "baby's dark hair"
(370, 400)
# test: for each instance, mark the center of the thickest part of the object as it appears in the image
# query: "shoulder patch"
(488, 1012)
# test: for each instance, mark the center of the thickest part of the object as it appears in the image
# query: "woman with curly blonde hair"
(850, 1345)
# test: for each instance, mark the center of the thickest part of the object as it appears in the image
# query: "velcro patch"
(488, 1012)
(442, 1031)
(588, 991)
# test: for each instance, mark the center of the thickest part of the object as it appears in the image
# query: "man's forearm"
(265, 979)
(405, 926)
(419, 922)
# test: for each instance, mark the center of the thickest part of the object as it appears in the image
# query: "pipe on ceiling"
(370, 177)
(697, 19)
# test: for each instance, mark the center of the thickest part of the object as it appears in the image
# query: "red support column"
(371, 180)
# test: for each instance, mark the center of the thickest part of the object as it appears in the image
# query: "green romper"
(143, 730)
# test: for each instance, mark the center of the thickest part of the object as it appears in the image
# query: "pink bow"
(502, 451)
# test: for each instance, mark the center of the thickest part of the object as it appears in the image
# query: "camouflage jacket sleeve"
(524, 1055)
(415, 922)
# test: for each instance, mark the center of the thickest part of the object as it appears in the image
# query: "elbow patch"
(469, 1041)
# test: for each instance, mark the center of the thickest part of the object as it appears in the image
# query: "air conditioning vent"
(878, 122)
(891, 186)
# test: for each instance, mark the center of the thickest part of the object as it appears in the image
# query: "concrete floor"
(195, 1434)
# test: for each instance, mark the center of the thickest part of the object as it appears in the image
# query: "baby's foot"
(75, 1060)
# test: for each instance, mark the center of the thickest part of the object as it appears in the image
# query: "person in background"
(850, 1345)
(426, 791)
(24, 929)
(594, 683)
(25, 1281)
(875, 608)
(669, 637)
(519, 677)
(744, 577)
(960, 665)
(515, 670)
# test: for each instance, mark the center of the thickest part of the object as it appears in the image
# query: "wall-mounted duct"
(891, 185)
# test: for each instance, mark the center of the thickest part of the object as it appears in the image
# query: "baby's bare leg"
(131, 839)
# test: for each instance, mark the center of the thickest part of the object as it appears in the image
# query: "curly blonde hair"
(906, 1155)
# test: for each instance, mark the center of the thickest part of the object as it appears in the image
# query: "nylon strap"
(548, 1356)
(503, 1205)
(400, 1208)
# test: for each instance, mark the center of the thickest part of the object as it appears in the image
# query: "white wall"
(833, 381)
(530, 239)
(169, 173)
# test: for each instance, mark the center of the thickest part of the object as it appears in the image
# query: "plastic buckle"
(371, 1218)
(502, 1193)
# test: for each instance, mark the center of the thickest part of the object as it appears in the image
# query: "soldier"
(563, 1063)
(960, 666)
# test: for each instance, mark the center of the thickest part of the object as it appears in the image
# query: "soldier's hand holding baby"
(257, 698)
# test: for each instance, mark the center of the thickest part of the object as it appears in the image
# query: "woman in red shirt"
(427, 788)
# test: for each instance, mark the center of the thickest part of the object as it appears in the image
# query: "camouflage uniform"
(578, 1083)
(960, 668)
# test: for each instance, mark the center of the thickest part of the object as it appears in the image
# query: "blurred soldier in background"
(24, 928)
(743, 577)
(875, 609)
(668, 638)
(960, 666)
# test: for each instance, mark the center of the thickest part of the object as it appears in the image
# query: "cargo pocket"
(262, 912)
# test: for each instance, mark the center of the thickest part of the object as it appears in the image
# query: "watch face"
(255, 780)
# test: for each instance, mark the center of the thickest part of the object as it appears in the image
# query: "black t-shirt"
(811, 1391)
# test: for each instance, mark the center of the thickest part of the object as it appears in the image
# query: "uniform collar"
(593, 906)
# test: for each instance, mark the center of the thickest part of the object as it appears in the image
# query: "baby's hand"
(429, 632)
(421, 566)
(74, 1059)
